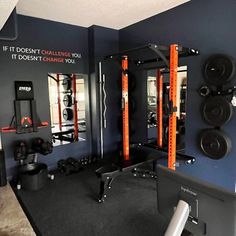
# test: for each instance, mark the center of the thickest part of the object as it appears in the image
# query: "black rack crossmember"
(162, 53)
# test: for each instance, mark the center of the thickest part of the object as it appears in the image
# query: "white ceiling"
(115, 14)
(6, 8)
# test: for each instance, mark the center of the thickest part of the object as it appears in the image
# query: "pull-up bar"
(157, 49)
(162, 52)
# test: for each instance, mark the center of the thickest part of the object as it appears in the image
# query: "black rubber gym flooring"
(67, 206)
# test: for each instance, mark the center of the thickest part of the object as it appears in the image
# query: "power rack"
(166, 57)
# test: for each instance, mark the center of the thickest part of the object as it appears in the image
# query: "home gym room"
(117, 118)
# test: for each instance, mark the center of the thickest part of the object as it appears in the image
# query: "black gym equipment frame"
(108, 173)
(29, 122)
(159, 50)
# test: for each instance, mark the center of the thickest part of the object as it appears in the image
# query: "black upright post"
(18, 116)
(3, 176)
(34, 115)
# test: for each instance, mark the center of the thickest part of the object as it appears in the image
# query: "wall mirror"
(152, 102)
(67, 107)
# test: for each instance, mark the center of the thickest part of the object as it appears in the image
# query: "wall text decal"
(41, 55)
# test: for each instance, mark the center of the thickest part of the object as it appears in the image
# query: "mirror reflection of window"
(152, 106)
(67, 107)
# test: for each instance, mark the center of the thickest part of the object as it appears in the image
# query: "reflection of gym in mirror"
(152, 101)
(67, 107)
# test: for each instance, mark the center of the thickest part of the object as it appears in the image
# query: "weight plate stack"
(219, 69)
(217, 111)
(67, 100)
(215, 143)
(66, 83)
(68, 114)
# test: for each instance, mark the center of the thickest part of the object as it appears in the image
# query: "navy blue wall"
(105, 41)
(10, 29)
(36, 33)
(208, 26)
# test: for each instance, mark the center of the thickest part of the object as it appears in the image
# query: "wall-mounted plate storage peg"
(204, 91)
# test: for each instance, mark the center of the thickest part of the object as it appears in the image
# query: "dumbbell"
(63, 167)
(87, 160)
(20, 151)
(41, 146)
(93, 159)
(74, 163)
(69, 166)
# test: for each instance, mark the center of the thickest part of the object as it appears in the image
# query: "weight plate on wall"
(66, 83)
(215, 143)
(68, 114)
(217, 111)
(219, 69)
(67, 100)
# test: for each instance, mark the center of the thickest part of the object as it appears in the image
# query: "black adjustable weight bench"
(141, 155)
(108, 173)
